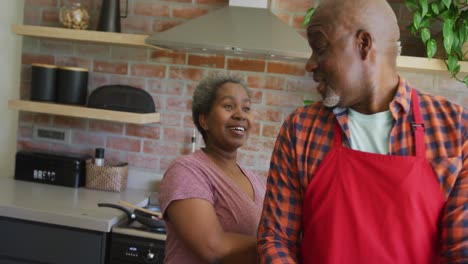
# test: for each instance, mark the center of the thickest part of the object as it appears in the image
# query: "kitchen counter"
(64, 206)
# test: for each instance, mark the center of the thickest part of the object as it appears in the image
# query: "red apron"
(370, 208)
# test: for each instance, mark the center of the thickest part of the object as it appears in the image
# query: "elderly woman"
(211, 204)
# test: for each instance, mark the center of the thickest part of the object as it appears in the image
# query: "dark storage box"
(63, 169)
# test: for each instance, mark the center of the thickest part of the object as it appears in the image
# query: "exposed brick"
(283, 99)
(180, 73)
(73, 62)
(270, 130)
(38, 119)
(160, 148)
(255, 129)
(88, 139)
(127, 53)
(284, 17)
(241, 64)
(165, 24)
(146, 70)
(178, 104)
(25, 132)
(301, 85)
(180, 1)
(50, 16)
(260, 145)
(137, 25)
(294, 6)
(70, 122)
(126, 80)
(257, 97)
(158, 103)
(151, 132)
(169, 87)
(32, 15)
(95, 51)
(171, 119)
(168, 57)
(286, 68)
(111, 67)
(188, 12)
(297, 22)
(151, 9)
(213, 61)
(270, 115)
(31, 145)
(97, 80)
(50, 3)
(177, 135)
(56, 47)
(247, 159)
(188, 120)
(164, 162)
(106, 126)
(28, 58)
(123, 143)
(266, 82)
(143, 161)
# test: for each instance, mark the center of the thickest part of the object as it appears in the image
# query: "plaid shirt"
(306, 137)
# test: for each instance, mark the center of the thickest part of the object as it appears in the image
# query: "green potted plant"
(442, 24)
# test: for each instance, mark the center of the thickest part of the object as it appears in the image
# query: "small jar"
(74, 16)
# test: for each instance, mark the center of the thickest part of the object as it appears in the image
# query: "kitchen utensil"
(138, 215)
(127, 204)
(109, 17)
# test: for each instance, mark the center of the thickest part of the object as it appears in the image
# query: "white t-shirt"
(370, 133)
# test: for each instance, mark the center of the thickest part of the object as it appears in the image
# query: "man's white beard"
(331, 98)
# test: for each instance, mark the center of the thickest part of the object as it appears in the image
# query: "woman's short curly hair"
(205, 95)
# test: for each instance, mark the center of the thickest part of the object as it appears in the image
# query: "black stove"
(136, 243)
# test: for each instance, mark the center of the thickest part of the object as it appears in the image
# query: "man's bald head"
(373, 16)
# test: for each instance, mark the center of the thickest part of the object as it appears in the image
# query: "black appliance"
(122, 98)
(135, 243)
(63, 169)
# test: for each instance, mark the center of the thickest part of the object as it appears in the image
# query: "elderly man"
(378, 171)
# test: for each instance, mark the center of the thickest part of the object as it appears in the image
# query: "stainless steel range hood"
(236, 31)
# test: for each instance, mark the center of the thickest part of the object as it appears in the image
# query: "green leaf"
(416, 20)
(448, 36)
(431, 48)
(424, 7)
(466, 81)
(452, 63)
(435, 8)
(425, 35)
(447, 3)
(462, 32)
(457, 70)
(307, 17)
(412, 5)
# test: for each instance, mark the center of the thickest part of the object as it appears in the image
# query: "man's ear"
(364, 41)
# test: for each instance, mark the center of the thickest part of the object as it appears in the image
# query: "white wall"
(10, 58)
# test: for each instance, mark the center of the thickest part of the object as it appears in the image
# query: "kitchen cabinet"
(77, 111)
(32, 242)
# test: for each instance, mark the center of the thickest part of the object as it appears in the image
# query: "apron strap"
(337, 135)
(418, 125)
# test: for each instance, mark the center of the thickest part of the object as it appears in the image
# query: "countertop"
(64, 206)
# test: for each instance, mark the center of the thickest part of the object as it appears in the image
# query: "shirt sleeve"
(182, 181)
(280, 222)
(455, 218)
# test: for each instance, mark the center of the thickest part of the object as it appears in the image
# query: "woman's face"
(228, 124)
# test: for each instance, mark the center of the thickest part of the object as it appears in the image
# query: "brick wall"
(170, 78)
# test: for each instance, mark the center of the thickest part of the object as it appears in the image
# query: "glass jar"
(74, 16)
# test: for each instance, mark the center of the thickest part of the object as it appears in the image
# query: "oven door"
(127, 249)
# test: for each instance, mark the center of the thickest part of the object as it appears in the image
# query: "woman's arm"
(196, 224)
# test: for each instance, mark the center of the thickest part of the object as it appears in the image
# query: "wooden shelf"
(83, 35)
(419, 63)
(83, 112)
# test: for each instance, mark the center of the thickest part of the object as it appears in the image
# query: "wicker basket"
(111, 177)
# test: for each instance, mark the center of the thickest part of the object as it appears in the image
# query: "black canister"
(72, 85)
(43, 78)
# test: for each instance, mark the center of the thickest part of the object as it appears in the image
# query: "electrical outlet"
(55, 135)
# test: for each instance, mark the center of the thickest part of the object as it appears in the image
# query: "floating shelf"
(419, 63)
(83, 35)
(83, 112)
